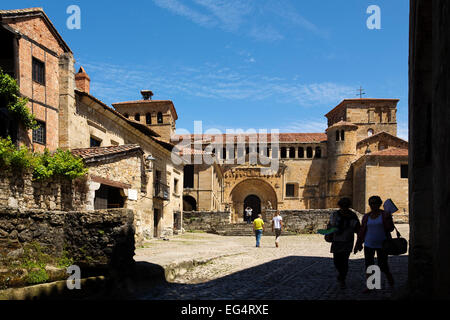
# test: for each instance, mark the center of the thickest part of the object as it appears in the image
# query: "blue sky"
(269, 64)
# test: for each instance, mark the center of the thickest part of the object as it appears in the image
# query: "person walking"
(258, 227)
(248, 215)
(347, 224)
(376, 226)
(277, 225)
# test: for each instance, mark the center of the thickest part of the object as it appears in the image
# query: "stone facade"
(74, 119)
(314, 170)
(382, 176)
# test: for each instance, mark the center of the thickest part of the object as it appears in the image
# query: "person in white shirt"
(248, 215)
(277, 225)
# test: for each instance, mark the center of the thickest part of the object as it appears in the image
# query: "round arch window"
(370, 132)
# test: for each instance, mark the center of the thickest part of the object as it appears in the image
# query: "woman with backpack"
(347, 224)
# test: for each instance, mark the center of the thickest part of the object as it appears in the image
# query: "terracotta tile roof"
(191, 151)
(100, 152)
(283, 137)
(381, 134)
(26, 10)
(141, 127)
(390, 152)
(36, 11)
(165, 144)
(110, 183)
(342, 124)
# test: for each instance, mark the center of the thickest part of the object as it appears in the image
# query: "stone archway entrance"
(253, 202)
(252, 192)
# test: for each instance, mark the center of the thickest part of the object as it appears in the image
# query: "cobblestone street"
(232, 268)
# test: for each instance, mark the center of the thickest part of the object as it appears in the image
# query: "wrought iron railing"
(162, 191)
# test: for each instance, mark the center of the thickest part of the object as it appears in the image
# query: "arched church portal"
(253, 202)
(255, 193)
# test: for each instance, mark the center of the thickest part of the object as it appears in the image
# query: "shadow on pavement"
(289, 278)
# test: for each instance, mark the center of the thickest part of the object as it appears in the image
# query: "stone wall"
(97, 241)
(19, 191)
(205, 221)
(302, 221)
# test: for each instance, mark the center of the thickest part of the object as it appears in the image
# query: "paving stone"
(301, 269)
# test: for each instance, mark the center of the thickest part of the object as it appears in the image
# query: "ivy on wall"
(16, 104)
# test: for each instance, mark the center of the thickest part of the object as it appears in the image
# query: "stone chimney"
(147, 94)
(82, 80)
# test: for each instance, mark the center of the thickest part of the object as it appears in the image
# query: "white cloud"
(306, 126)
(185, 11)
(242, 17)
(113, 83)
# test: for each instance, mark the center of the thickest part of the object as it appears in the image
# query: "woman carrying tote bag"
(376, 228)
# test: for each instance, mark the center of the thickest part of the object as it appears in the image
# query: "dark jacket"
(388, 224)
(347, 223)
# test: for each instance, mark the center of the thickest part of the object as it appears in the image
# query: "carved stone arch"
(252, 186)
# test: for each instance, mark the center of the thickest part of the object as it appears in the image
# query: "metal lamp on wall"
(150, 160)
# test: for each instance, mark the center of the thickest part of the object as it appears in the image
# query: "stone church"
(358, 156)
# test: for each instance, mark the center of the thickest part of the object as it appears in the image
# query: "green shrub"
(37, 276)
(65, 261)
(15, 158)
(16, 104)
(44, 166)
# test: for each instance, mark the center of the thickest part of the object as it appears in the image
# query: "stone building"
(130, 163)
(32, 51)
(358, 156)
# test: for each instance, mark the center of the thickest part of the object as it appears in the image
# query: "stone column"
(429, 156)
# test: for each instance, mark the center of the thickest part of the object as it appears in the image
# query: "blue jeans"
(258, 234)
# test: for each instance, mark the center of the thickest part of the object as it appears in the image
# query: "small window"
(126, 115)
(175, 186)
(160, 117)
(188, 176)
(337, 135)
(292, 152)
(137, 117)
(38, 71)
(318, 153)
(40, 133)
(95, 143)
(404, 171)
(148, 118)
(370, 132)
(283, 153)
(224, 153)
(309, 152)
(301, 152)
(290, 190)
(342, 135)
